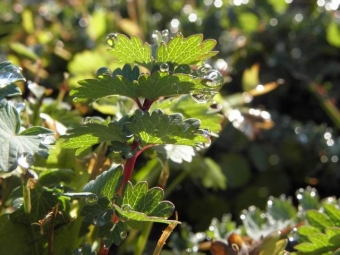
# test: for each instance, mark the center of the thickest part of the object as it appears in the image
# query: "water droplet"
(126, 207)
(94, 220)
(165, 32)
(123, 234)
(48, 140)
(202, 70)
(214, 77)
(270, 202)
(156, 37)
(103, 71)
(110, 38)
(87, 120)
(25, 160)
(91, 200)
(165, 35)
(203, 96)
(164, 67)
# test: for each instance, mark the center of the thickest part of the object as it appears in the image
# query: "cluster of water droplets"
(159, 37)
(212, 80)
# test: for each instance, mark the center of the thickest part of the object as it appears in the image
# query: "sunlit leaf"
(209, 118)
(131, 51)
(318, 219)
(190, 50)
(84, 137)
(13, 143)
(159, 128)
(8, 75)
(107, 183)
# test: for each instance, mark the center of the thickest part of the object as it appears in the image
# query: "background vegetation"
(275, 138)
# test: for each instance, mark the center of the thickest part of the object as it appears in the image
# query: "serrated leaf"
(318, 220)
(191, 50)
(159, 84)
(333, 234)
(113, 233)
(14, 143)
(190, 109)
(143, 204)
(159, 128)
(305, 247)
(162, 84)
(99, 214)
(281, 210)
(84, 137)
(129, 73)
(104, 86)
(333, 213)
(307, 230)
(107, 183)
(320, 240)
(8, 75)
(138, 216)
(131, 51)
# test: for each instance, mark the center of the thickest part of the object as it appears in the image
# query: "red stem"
(147, 104)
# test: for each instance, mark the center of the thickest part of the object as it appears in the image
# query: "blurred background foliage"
(277, 137)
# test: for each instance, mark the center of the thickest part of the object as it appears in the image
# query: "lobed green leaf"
(107, 183)
(159, 128)
(190, 51)
(104, 86)
(8, 75)
(131, 51)
(318, 220)
(14, 143)
(84, 137)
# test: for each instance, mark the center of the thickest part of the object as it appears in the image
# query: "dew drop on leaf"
(126, 208)
(203, 96)
(25, 160)
(164, 67)
(123, 234)
(91, 200)
(156, 37)
(87, 120)
(48, 140)
(214, 77)
(165, 35)
(110, 38)
(103, 71)
(202, 70)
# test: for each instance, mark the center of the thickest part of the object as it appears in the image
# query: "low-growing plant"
(160, 86)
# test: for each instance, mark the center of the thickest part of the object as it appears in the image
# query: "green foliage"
(14, 140)
(58, 45)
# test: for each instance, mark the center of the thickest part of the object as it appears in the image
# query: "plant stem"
(143, 238)
(26, 195)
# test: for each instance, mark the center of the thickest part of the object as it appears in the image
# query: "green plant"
(149, 118)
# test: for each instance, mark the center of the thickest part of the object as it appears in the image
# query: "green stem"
(26, 192)
(27, 196)
(143, 238)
